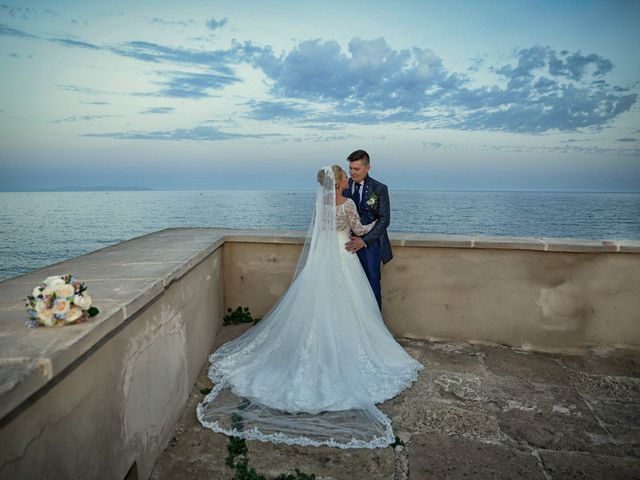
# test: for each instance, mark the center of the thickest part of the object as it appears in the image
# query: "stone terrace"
(103, 399)
(475, 412)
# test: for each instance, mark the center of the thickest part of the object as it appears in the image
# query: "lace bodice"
(347, 219)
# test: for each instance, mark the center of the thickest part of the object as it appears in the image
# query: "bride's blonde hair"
(337, 174)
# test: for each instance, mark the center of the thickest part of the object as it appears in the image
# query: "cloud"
(78, 89)
(24, 13)
(373, 83)
(7, 31)
(173, 23)
(18, 55)
(274, 110)
(200, 133)
(561, 148)
(157, 110)
(310, 116)
(190, 85)
(69, 42)
(214, 24)
(535, 102)
(325, 138)
(318, 82)
(575, 65)
(372, 74)
(179, 85)
(78, 118)
(476, 63)
(152, 52)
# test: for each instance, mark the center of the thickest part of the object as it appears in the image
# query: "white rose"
(53, 278)
(36, 292)
(83, 301)
(61, 306)
(74, 314)
(40, 306)
(47, 317)
(65, 291)
(56, 284)
(47, 291)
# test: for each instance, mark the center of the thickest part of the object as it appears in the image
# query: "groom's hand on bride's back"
(355, 244)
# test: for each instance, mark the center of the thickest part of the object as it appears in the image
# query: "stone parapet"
(545, 294)
(107, 393)
(99, 399)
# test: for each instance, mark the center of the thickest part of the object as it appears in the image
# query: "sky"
(459, 95)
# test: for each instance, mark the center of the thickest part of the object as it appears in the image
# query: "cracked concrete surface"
(474, 412)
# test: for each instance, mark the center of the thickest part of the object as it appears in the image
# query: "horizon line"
(116, 189)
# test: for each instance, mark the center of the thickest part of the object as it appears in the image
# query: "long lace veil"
(312, 299)
(323, 219)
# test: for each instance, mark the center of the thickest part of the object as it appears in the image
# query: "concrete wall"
(256, 275)
(539, 300)
(118, 403)
(516, 292)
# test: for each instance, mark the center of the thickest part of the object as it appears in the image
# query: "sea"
(41, 228)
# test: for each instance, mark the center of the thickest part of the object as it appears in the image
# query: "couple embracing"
(313, 369)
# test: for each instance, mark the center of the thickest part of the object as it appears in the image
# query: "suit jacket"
(374, 206)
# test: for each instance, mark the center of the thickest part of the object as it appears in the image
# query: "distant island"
(104, 188)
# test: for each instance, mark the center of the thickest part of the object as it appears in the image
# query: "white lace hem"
(254, 433)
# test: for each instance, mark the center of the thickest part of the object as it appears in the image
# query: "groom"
(372, 200)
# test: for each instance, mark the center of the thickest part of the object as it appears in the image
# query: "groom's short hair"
(359, 155)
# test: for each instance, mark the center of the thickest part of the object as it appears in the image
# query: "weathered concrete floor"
(474, 412)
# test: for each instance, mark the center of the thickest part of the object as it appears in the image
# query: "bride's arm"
(354, 220)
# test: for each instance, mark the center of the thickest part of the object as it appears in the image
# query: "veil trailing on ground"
(286, 380)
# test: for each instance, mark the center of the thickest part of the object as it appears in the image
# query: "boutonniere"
(371, 201)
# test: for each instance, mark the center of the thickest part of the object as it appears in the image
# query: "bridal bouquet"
(59, 300)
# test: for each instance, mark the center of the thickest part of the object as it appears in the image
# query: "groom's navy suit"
(373, 205)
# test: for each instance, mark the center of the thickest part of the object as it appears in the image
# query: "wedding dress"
(311, 371)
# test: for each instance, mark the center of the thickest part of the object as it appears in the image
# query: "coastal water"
(40, 228)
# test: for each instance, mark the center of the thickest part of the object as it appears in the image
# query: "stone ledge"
(401, 239)
(514, 243)
(629, 246)
(121, 278)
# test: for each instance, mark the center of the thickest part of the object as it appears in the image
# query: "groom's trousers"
(370, 260)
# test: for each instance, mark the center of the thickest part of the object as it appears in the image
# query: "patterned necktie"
(357, 195)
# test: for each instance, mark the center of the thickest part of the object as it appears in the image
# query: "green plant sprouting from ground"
(239, 315)
(238, 458)
(397, 443)
(239, 461)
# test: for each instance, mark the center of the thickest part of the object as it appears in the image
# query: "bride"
(313, 369)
